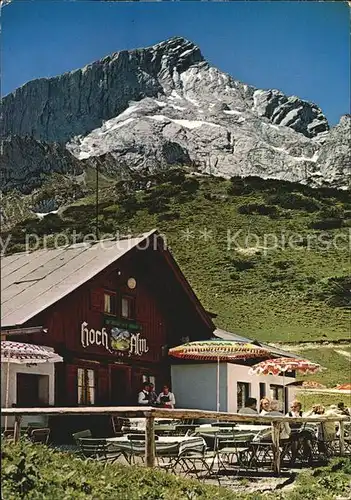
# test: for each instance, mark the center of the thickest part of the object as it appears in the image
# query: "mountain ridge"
(165, 104)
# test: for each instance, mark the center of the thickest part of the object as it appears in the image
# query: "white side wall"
(240, 373)
(47, 369)
(195, 386)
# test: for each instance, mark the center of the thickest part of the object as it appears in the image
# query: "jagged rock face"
(291, 111)
(56, 109)
(25, 162)
(335, 154)
(166, 105)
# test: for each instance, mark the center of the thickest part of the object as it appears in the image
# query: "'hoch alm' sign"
(119, 341)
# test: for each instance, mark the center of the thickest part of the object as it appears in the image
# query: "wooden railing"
(150, 413)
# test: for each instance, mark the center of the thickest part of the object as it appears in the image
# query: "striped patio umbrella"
(21, 353)
(279, 366)
(218, 350)
(283, 365)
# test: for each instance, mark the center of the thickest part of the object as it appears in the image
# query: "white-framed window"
(110, 303)
(243, 392)
(149, 378)
(86, 386)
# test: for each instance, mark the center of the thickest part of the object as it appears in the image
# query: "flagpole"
(7, 389)
(218, 384)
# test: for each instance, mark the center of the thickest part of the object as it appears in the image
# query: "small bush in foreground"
(36, 472)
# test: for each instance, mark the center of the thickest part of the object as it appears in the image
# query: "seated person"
(144, 394)
(250, 407)
(264, 406)
(326, 431)
(343, 410)
(300, 436)
(166, 398)
(295, 409)
(284, 427)
(330, 428)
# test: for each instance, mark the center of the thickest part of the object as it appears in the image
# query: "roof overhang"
(23, 331)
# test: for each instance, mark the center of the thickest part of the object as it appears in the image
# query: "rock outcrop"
(25, 162)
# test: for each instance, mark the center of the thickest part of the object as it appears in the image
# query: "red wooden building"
(111, 309)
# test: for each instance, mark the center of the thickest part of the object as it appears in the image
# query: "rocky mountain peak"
(165, 104)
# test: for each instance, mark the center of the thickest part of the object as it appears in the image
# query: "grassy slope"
(339, 366)
(270, 295)
(309, 399)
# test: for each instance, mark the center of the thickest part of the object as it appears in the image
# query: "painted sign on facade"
(122, 323)
(118, 341)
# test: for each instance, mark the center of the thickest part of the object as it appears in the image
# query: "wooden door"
(120, 386)
(27, 390)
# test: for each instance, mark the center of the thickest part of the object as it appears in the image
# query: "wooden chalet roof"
(33, 281)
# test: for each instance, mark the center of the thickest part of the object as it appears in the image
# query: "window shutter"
(72, 385)
(97, 300)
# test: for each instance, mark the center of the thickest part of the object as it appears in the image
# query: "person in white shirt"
(284, 427)
(295, 409)
(144, 395)
(265, 405)
(300, 435)
(166, 398)
(250, 407)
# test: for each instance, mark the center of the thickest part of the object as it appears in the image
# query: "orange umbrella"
(343, 387)
(311, 384)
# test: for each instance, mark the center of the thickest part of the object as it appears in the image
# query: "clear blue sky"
(301, 48)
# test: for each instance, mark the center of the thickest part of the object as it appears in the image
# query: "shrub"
(295, 201)
(190, 185)
(169, 216)
(166, 189)
(243, 264)
(333, 212)
(238, 186)
(37, 472)
(327, 224)
(130, 204)
(49, 224)
(175, 176)
(336, 291)
(157, 205)
(258, 208)
(283, 264)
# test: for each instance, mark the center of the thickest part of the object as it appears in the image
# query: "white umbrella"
(21, 353)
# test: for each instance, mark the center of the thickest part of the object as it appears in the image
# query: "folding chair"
(233, 449)
(81, 434)
(136, 447)
(98, 449)
(8, 434)
(120, 425)
(192, 459)
(40, 435)
(167, 456)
